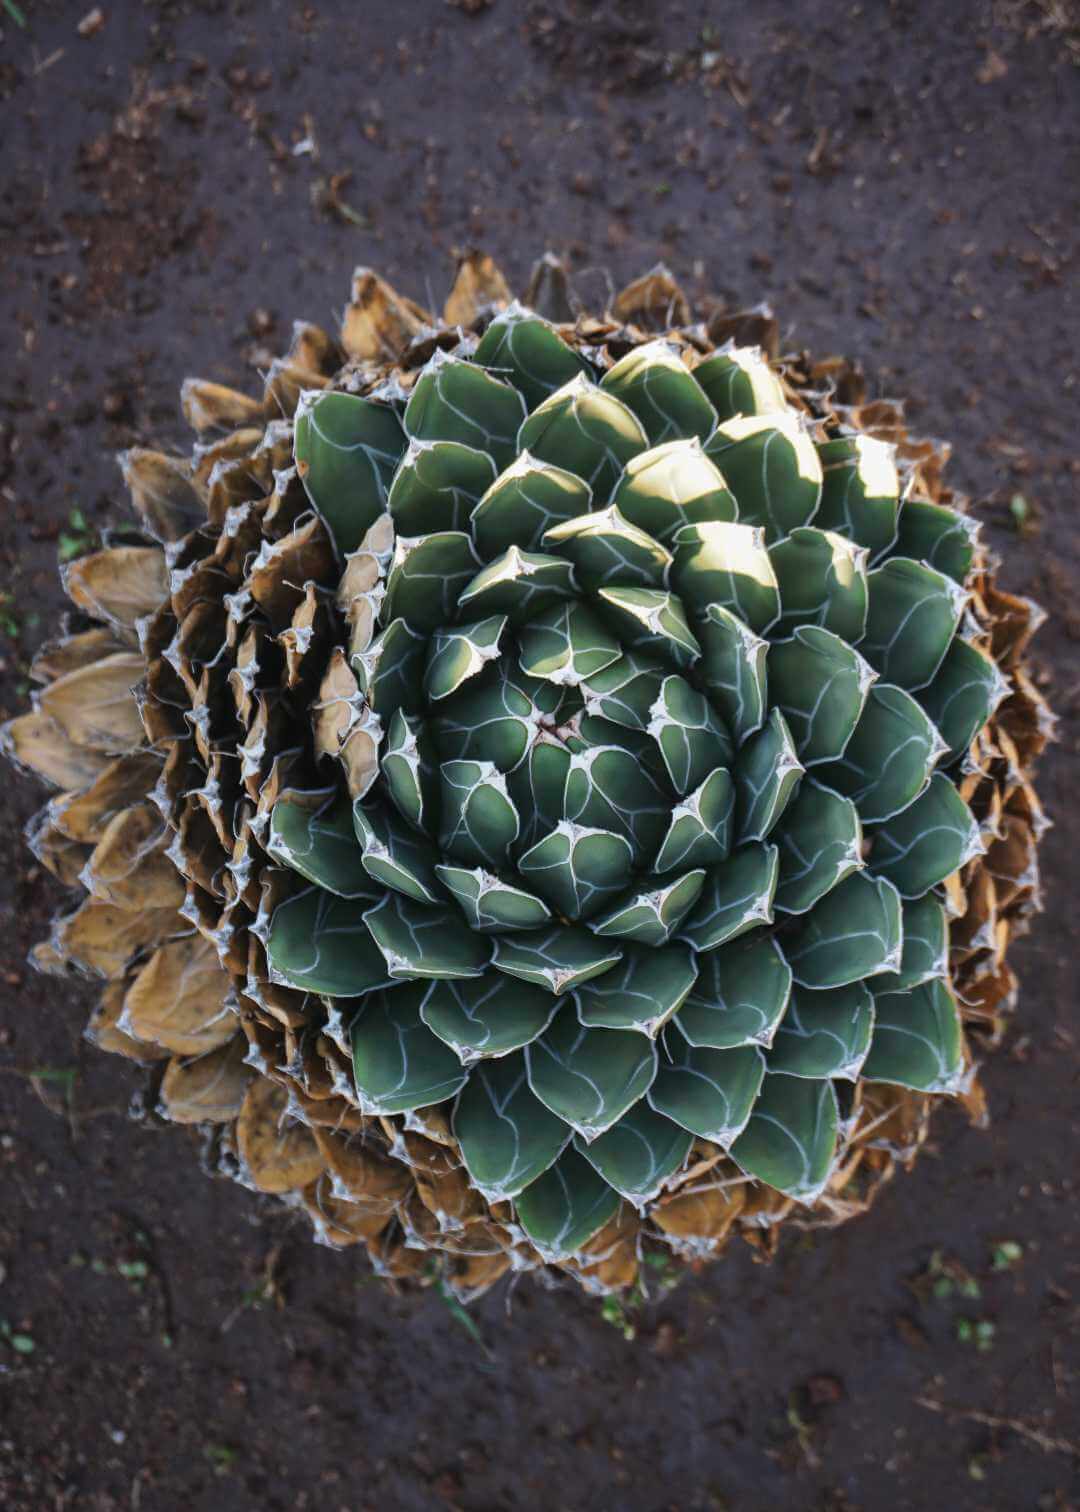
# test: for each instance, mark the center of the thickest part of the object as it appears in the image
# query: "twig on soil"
(1047, 1442)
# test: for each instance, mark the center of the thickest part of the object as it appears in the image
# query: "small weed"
(461, 1316)
(978, 1332)
(77, 539)
(135, 1271)
(221, 1456)
(21, 1343)
(977, 1467)
(1006, 1255)
(15, 13)
(266, 1292)
(614, 1311)
(1020, 511)
(945, 1277)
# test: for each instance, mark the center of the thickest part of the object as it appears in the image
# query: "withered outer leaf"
(367, 1177)
(84, 816)
(94, 706)
(120, 585)
(379, 322)
(103, 1028)
(206, 1088)
(278, 1156)
(702, 1217)
(208, 405)
(177, 1000)
(336, 1222)
(71, 652)
(478, 288)
(38, 743)
(102, 939)
(129, 865)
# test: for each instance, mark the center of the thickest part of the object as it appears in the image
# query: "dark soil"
(902, 181)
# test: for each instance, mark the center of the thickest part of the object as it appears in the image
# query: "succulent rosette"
(574, 793)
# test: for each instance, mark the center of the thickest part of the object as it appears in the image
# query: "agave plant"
(545, 787)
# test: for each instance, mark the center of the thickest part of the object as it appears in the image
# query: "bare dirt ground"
(902, 181)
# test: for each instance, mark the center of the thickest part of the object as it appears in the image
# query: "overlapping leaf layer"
(575, 745)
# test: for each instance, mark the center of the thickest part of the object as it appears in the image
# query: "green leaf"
(638, 1155)
(965, 691)
(558, 959)
(700, 828)
(458, 652)
(692, 737)
(652, 910)
(941, 537)
(822, 578)
(820, 840)
(538, 788)
(641, 992)
(398, 1064)
(427, 577)
(317, 942)
(494, 718)
(608, 788)
(741, 382)
(733, 669)
(709, 1092)
(437, 486)
(653, 622)
(320, 844)
(607, 550)
(625, 691)
(507, 1137)
(518, 584)
(408, 765)
(566, 644)
(589, 1077)
(479, 821)
(587, 430)
(821, 685)
(566, 1206)
(737, 896)
(346, 449)
(854, 932)
(790, 1140)
(766, 772)
(577, 869)
(932, 838)
(926, 946)
(913, 615)
(656, 384)
(824, 1034)
(770, 465)
(888, 760)
(917, 1040)
(486, 1016)
(670, 486)
(454, 400)
(529, 353)
(390, 671)
(726, 565)
(395, 855)
(740, 995)
(860, 491)
(490, 904)
(420, 941)
(524, 502)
